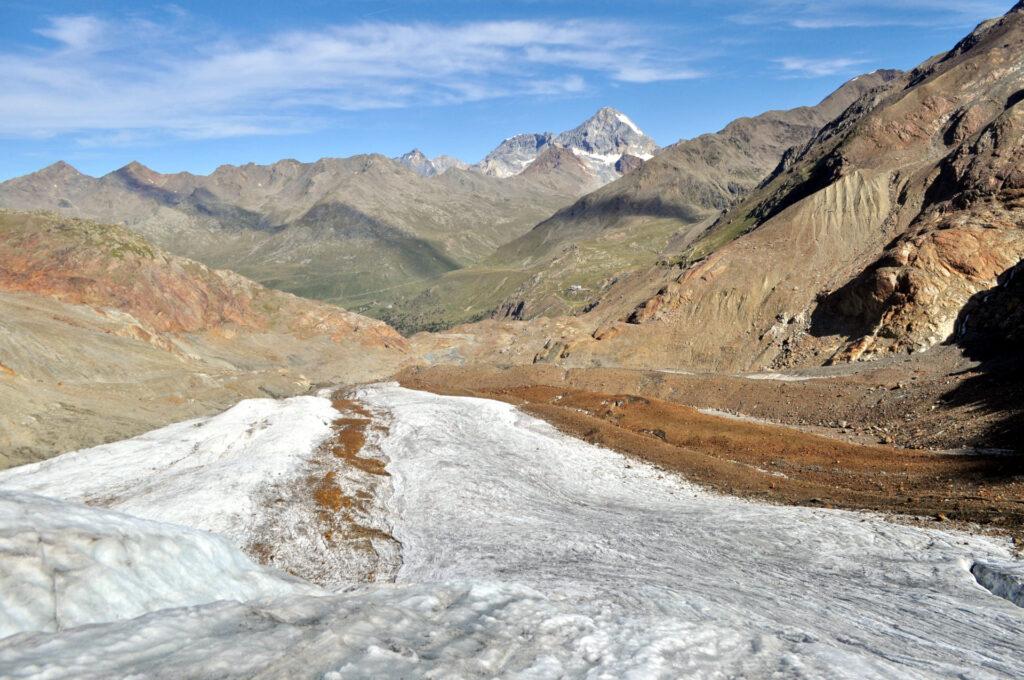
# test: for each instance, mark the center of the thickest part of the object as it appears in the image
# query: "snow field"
(674, 576)
(64, 565)
(205, 473)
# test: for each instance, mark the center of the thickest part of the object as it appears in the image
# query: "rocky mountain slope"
(867, 241)
(105, 336)
(599, 142)
(566, 263)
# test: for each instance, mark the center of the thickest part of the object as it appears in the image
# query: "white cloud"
(106, 77)
(817, 67)
(75, 33)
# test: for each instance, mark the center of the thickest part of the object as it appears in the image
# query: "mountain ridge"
(564, 264)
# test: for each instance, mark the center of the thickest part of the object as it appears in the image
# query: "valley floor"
(523, 553)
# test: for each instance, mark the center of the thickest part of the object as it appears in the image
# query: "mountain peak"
(607, 114)
(443, 163)
(599, 141)
(418, 162)
(61, 169)
(137, 172)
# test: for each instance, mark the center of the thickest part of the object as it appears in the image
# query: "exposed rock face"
(106, 336)
(992, 322)
(909, 299)
(444, 163)
(514, 154)
(416, 161)
(627, 163)
(603, 138)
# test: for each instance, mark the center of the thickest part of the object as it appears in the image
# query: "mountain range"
(361, 231)
(618, 367)
(608, 145)
(601, 142)
(565, 263)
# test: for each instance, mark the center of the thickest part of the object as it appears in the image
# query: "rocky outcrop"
(991, 324)
(417, 161)
(909, 299)
(627, 163)
(514, 154)
(444, 163)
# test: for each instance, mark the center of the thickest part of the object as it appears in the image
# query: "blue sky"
(192, 85)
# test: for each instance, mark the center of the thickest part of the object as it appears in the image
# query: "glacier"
(526, 553)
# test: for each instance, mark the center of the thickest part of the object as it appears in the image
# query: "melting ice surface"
(529, 554)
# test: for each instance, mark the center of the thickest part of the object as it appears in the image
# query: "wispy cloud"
(827, 14)
(75, 33)
(814, 68)
(110, 81)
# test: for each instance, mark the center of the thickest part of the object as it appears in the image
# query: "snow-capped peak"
(600, 141)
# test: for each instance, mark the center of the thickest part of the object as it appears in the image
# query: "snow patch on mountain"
(624, 119)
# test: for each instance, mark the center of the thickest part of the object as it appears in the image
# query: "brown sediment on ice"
(350, 436)
(331, 512)
(328, 495)
(762, 460)
(342, 510)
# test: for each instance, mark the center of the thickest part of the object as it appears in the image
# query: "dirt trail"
(759, 460)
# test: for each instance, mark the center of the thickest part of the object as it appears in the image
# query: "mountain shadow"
(990, 329)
